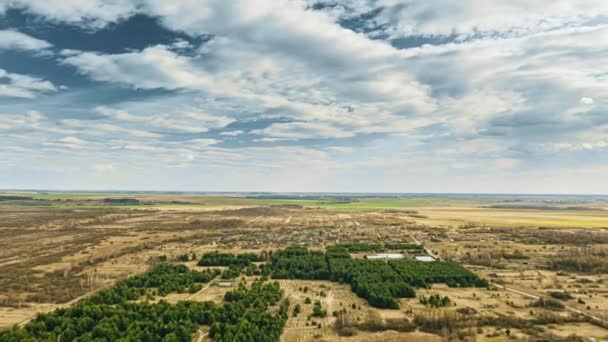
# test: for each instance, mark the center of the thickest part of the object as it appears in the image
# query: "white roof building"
(385, 256)
(425, 258)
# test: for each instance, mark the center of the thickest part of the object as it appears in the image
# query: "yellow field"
(456, 216)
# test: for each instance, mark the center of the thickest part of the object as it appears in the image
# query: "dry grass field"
(60, 247)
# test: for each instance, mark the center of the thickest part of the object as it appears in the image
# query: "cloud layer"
(365, 95)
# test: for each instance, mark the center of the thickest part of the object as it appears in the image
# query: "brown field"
(61, 248)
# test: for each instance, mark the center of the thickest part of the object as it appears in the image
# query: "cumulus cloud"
(23, 86)
(316, 71)
(10, 39)
(90, 13)
(152, 68)
(232, 133)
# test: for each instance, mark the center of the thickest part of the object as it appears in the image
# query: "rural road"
(58, 306)
(201, 290)
(569, 308)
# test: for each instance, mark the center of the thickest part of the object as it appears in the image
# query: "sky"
(470, 96)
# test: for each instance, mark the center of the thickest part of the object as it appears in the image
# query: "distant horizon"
(126, 191)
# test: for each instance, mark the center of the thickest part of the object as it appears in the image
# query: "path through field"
(524, 293)
(569, 308)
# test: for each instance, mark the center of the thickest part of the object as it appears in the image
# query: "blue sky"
(295, 95)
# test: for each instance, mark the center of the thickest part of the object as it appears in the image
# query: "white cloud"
(73, 140)
(468, 18)
(586, 100)
(232, 133)
(91, 13)
(200, 142)
(260, 61)
(176, 121)
(152, 68)
(23, 86)
(303, 130)
(67, 143)
(10, 39)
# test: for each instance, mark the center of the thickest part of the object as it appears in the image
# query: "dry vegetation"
(55, 250)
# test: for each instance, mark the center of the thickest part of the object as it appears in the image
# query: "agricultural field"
(522, 270)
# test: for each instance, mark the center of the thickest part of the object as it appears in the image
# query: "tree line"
(228, 259)
(357, 247)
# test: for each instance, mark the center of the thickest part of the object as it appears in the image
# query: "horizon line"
(294, 192)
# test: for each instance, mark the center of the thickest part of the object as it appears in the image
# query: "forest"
(125, 311)
(113, 315)
(381, 283)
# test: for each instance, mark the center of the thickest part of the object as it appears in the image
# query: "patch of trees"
(423, 274)
(232, 272)
(299, 263)
(15, 198)
(243, 317)
(251, 270)
(228, 259)
(246, 316)
(296, 310)
(374, 280)
(121, 201)
(549, 304)
(435, 301)
(560, 295)
(337, 252)
(186, 257)
(318, 311)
